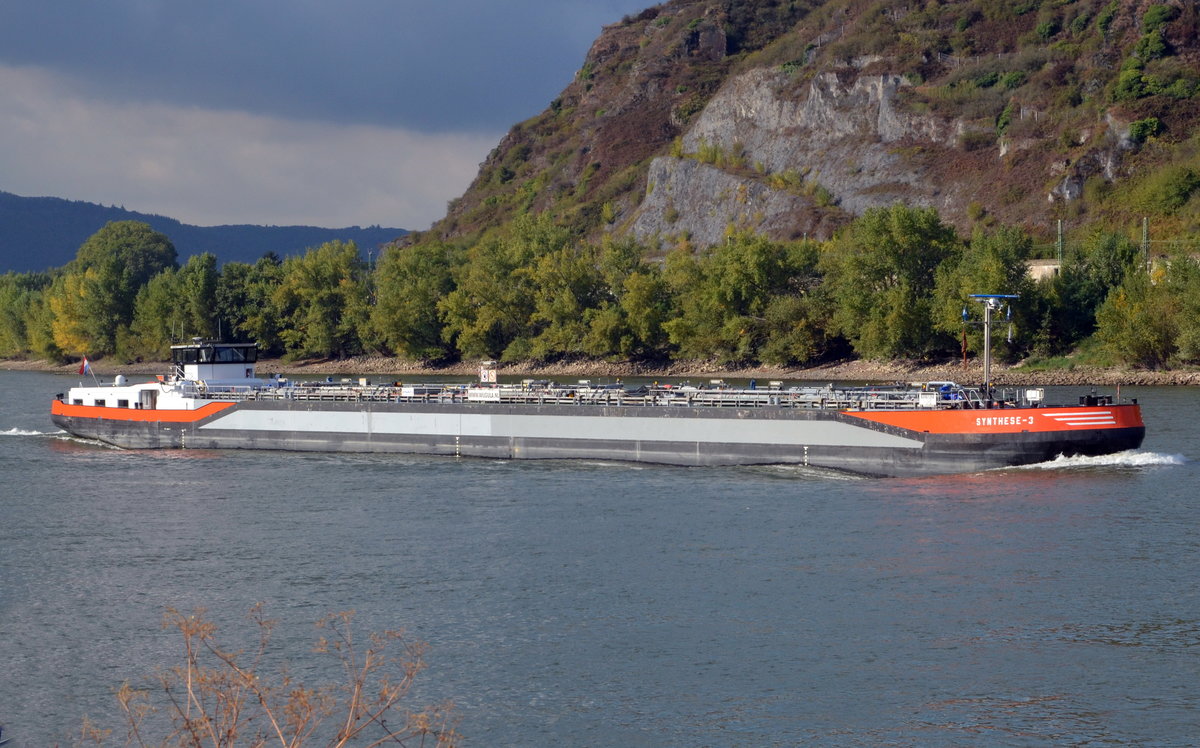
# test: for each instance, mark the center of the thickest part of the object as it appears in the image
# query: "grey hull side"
(673, 436)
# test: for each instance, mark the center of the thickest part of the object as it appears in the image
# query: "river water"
(593, 604)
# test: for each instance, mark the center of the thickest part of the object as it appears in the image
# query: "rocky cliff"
(789, 118)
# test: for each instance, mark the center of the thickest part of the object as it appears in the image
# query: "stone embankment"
(845, 371)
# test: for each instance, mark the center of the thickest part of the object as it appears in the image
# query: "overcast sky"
(354, 112)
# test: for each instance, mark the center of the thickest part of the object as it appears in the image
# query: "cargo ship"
(212, 399)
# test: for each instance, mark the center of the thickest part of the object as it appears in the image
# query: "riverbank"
(842, 371)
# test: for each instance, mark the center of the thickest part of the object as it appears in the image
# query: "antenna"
(990, 301)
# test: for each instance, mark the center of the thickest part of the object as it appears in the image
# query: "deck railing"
(819, 398)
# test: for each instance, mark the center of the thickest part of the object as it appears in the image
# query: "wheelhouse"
(204, 360)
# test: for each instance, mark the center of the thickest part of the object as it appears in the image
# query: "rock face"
(839, 137)
(684, 196)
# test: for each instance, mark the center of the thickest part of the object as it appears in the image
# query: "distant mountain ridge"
(39, 233)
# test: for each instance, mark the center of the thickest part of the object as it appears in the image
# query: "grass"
(1089, 353)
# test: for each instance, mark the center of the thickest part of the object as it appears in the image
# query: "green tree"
(796, 326)
(19, 292)
(245, 302)
(568, 288)
(489, 313)
(880, 276)
(1183, 285)
(743, 297)
(410, 282)
(198, 280)
(157, 320)
(39, 327)
(1138, 321)
(1072, 297)
(322, 301)
(174, 305)
(990, 263)
(627, 321)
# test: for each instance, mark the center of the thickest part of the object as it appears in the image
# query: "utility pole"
(1146, 241)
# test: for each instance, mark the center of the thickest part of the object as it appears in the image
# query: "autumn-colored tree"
(93, 301)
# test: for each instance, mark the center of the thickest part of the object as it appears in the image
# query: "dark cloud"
(462, 65)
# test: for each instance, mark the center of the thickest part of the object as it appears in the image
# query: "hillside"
(791, 118)
(37, 233)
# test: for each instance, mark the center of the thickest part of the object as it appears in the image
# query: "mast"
(990, 301)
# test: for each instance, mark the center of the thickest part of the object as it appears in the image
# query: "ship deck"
(882, 397)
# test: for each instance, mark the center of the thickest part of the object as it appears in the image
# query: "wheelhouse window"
(235, 354)
(215, 354)
(99, 403)
(122, 403)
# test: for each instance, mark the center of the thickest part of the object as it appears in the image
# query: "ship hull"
(870, 443)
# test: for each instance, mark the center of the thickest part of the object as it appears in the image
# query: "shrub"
(1105, 19)
(1142, 129)
(1158, 16)
(1182, 88)
(709, 153)
(1005, 118)
(988, 79)
(1152, 46)
(1167, 190)
(1012, 80)
(1047, 29)
(1130, 85)
(823, 197)
(223, 696)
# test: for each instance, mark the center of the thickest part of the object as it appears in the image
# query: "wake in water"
(27, 432)
(1127, 459)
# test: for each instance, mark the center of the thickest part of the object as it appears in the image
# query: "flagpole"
(86, 368)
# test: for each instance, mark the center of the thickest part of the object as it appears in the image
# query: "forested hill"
(39, 233)
(791, 117)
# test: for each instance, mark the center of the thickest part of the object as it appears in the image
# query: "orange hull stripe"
(129, 414)
(1007, 420)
